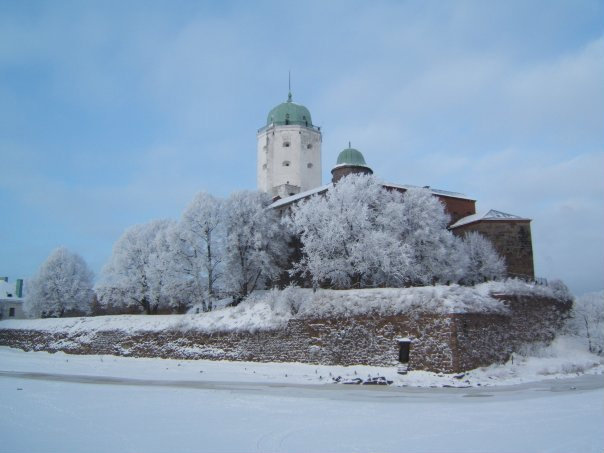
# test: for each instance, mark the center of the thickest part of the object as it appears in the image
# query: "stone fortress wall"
(441, 343)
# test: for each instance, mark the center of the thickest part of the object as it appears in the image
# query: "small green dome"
(289, 113)
(351, 156)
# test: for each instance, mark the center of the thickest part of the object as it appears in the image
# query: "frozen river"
(49, 411)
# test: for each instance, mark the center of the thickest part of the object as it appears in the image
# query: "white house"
(11, 299)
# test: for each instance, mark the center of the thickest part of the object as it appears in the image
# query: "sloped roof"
(489, 215)
(299, 196)
(308, 193)
(444, 193)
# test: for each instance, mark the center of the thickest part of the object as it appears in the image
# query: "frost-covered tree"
(199, 243)
(484, 263)
(350, 236)
(256, 243)
(437, 254)
(588, 320)
(360, 234)
(139, 268)
(62, 286)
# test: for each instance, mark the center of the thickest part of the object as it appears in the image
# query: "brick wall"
(457, 208)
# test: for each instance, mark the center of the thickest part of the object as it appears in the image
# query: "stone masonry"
(441, 343)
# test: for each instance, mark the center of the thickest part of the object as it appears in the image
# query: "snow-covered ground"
(273, 309)
(553, 401)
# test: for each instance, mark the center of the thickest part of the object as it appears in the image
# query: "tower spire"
(289, 86)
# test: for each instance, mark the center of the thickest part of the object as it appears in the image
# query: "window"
(11, 311)
(309, 165)
(309, 146)
(286, 144)
(264, 166)
(286, 163)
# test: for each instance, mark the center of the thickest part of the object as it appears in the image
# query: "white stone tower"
(289, 151)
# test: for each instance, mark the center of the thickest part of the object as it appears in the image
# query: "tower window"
(309, 146)
(286, 163)
(309, 165)
(286, 144)
(264, 166)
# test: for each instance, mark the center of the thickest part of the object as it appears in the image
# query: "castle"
(423, 334)
(289, 170)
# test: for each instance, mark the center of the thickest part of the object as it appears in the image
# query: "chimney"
(19, 287)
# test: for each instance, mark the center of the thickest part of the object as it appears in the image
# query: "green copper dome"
(289, 113)
(351, 156)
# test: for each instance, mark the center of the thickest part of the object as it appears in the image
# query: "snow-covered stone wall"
(441, 341)
(330, 341)
(482, 339)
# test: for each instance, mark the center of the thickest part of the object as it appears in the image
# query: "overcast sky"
(116, 113)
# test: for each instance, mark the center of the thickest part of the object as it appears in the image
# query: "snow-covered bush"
(588, 320)
(62, 286)
(560, 290)
(484, 263)
(287, 301)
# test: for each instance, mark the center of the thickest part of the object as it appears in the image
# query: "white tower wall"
(289, 159)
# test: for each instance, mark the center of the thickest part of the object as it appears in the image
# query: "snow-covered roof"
(491, 214)
(7, 288)
(444, 193)
(316, 190)
(299, 196)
